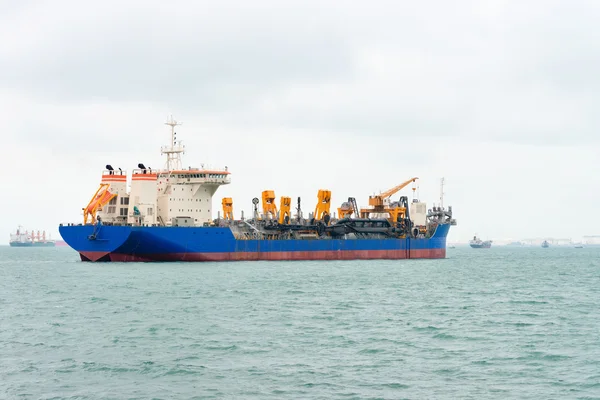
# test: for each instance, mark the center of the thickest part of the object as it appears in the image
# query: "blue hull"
(131, 243)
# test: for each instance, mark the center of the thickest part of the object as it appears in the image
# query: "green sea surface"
(499, 323)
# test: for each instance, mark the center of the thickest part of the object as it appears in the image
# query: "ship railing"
(204, 168)
(117, 171)
(176, 148)
(140, 171)
(189, 173)
(209, 167)
(199, 179)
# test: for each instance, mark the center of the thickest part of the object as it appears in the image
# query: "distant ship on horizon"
(26, 239)
(545, 244)
(477, 243)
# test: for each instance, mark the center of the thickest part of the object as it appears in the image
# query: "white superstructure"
(116, 183)
(418, 213)
(21, 236)
(173, 196)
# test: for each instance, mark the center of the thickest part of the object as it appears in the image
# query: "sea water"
(499, 323)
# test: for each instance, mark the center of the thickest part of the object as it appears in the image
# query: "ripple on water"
(499, 324)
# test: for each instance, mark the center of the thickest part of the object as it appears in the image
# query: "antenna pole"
(173, 152)
(442, 193)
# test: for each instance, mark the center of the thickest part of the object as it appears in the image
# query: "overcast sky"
(499, 97)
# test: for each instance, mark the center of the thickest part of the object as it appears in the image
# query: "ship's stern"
(95, 242)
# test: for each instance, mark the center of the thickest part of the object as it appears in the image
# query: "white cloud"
(499, 97)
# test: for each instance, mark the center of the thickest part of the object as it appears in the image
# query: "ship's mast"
(174, 150)
(442, 193)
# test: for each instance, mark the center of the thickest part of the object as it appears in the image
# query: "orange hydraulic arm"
(269, 207)
(323, 204)
(227, 208)
(285, 209)
(347, 208)
(100, 198)
(344, 211)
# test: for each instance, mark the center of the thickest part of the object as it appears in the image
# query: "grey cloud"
(384, 69)
(296, 95)
(156, 56)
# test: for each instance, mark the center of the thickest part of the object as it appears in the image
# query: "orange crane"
(323, 205)
(285, 209)
(269, 207)
(227, 204)
(100, 198)
(377, 202)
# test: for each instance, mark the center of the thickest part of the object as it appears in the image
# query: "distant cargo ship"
(166, 215)
(477, 243)
(26, 239)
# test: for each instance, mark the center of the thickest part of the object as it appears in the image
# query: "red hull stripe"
(113, 178)
(271, 256)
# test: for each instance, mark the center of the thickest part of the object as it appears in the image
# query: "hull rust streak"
(273, 256)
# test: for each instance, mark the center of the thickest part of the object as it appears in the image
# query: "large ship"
(477, 243)
(30, 239)
(167, 215)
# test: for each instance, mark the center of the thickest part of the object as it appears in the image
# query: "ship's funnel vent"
(109, 167)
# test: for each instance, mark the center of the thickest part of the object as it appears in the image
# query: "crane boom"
(377, 200)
